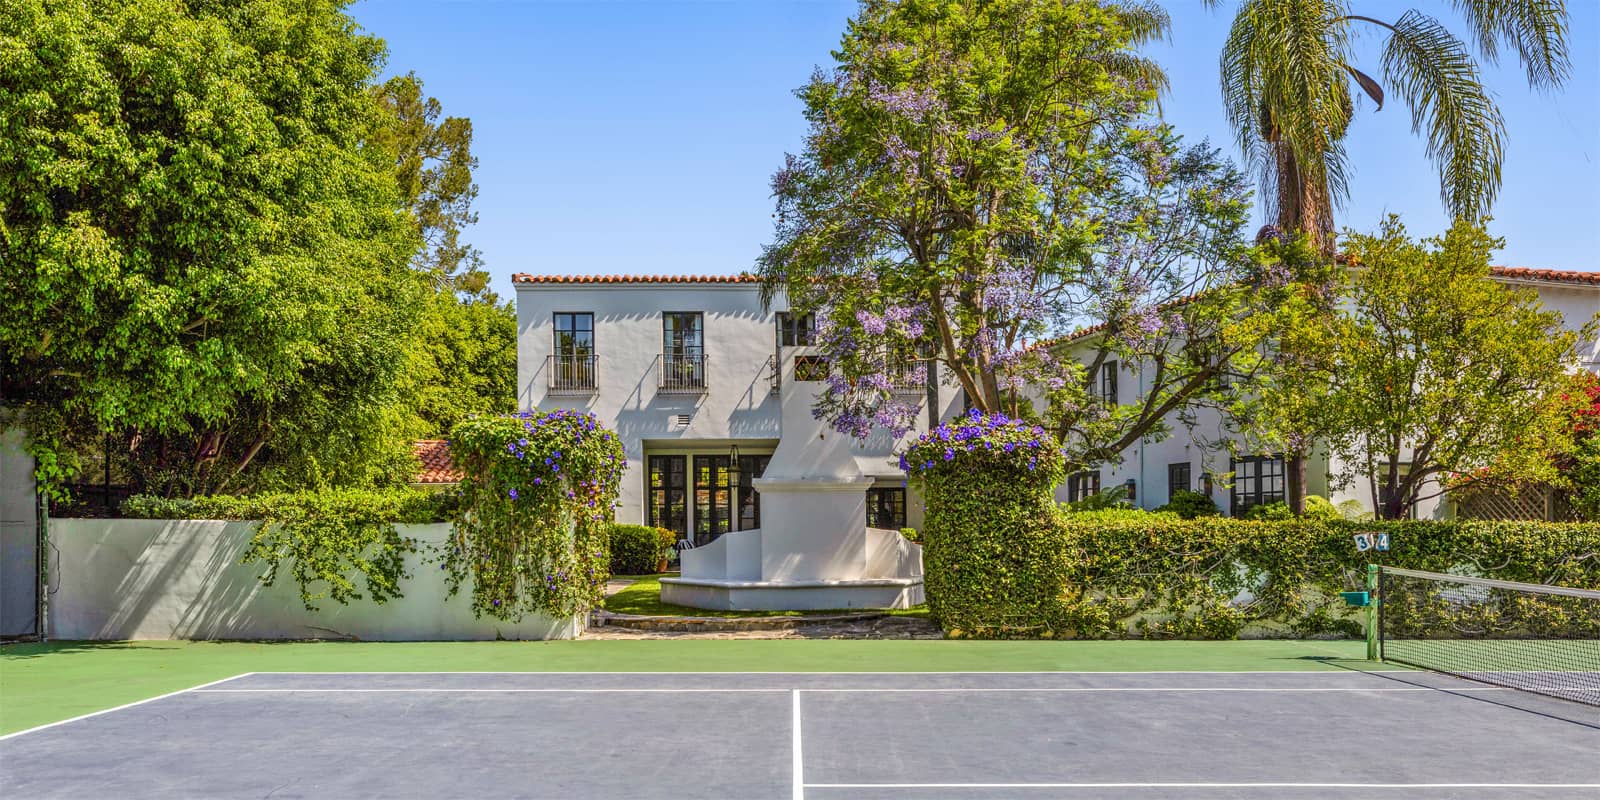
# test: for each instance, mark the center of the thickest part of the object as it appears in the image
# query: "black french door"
(669, 506)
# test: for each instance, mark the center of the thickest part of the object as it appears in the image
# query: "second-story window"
(1108, 383)
(683, 355)
(796, 330)
(574, 360)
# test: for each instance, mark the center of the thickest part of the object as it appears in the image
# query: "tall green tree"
(1288, 71)
(979, 175)
(464, 362)
(1442, 370)
(433, 165)
(1289, 67)
(203, 251)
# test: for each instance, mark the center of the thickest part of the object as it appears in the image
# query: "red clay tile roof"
(1509, 273)
(434, 458)
(1532, 274)
(523, 277)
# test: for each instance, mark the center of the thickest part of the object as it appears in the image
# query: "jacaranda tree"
(981, 175)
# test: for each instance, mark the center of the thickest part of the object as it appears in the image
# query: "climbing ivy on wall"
(538, 493)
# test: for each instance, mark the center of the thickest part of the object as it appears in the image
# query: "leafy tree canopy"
(433, 165)
(1441, 367)
(978, 176)
(205, 251)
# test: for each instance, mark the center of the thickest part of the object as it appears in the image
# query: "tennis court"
(842, 736)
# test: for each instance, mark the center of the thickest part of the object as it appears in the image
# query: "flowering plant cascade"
(989, 443)
(538, 493)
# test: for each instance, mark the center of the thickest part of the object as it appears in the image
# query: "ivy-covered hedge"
(329, 539)
(989, 566)
(1216, 577)
(638, 549)
(1001, 559)
(538, 491)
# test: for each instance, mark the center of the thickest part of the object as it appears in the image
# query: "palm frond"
(1536, 29)
(1287, 97)
(1432, 72)
(1145, 20)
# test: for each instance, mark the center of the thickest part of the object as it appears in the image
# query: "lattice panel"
(1514, 503)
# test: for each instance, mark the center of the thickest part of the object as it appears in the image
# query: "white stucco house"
(711, 394)
(1196, 457)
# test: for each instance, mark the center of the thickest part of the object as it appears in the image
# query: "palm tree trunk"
(1307, 209)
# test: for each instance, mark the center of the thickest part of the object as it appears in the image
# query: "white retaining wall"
(181, 579)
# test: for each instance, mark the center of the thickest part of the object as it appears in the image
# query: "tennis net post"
(1372, 613)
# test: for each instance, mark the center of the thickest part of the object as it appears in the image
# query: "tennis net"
(1542, 639)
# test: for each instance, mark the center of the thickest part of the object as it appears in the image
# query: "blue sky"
(638, 137)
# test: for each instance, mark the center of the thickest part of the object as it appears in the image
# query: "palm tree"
(1287, 75)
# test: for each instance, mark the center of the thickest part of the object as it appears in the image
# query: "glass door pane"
(713, 498)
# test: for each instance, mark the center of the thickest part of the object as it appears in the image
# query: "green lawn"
(644, 597)
(42, 683)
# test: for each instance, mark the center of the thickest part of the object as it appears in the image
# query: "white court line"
(799, 761)
(126, 705)
(825, 690)
(614, 690)
(1330, 671)
(1203, 785)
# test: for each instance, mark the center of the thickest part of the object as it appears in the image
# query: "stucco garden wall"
(19, 538)
(181, 579)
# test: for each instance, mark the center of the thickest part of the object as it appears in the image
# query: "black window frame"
(570, 347)
(890, 500)
(676, 342)
(1253, 482)
(796, 330)
(1083, 485)
(1108, 383)
(712, 489)
(658, 506)
(1180, 478)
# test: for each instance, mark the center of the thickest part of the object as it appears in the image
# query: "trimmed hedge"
(989, 567)
(331, 538)
(638, 549)
(1001, 559)
(1215, 578)
(393, 505)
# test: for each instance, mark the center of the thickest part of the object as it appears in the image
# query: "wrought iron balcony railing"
(909, 377)
(573, 373)
(683, 373)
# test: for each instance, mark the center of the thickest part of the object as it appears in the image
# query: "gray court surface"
(841, 736)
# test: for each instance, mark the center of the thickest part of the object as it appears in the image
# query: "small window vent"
(682, 420)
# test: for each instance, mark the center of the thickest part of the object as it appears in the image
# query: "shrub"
(537, 495)
(1191, 505)
(1268, 511)
(910, 534)
(1214, 577)
(1105, 499)
(327, 538)
(636, 549)
(1318, 507)
(994, 563)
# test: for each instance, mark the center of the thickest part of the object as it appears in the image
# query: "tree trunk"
(1305, 209)
(1295, 482)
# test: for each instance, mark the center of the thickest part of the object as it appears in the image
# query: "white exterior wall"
(738, 406)
(122, 579)
(19, 538)
(1204, 446)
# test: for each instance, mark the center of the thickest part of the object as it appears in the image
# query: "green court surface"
(42, 683)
